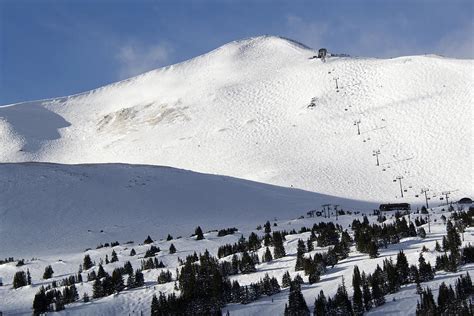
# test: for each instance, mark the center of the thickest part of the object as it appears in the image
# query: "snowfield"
(51, 208)
(242, 111)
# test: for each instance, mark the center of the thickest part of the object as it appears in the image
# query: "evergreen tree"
(267, 256)
(320, 305)
(127, 268)
(101, 272)
(148, 240)
(402, 267)
(342, 303)
(198, 233)
(309, 244)
(97, 290)
(301, 249)
(114, 256)
(48, 272)
(117, 280)
(357, 298)
(254, 242)
(19, 279)
(28, 277)
(40, 302)
(172, 249)
(247, 264)
(87, 262)
(139, 278)
(296, 302)
(132, 252)
(279, 250)
(373, 249)
(169, 237)
(377, 293)
(286, 279)
(268, 228)
(367, 296)
(437, 247)
(85, 297)
(425, 269)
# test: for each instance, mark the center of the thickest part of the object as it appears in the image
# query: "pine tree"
(301, 249)
(402, 267)
(267, 256)
(425, 269)
(28, 277)
(437, 247)
(309, 244)
(373, 249)
(117, 280)
(139, 278)
(198, 233)
(357, 298)
(286, 279)
(148, 240)
(114, 256)
(247, 264)
(296, 302)
(320, 305)
(87, 262)
(101, 272)
(279, 250)
(172, 249)
(367, 296)
(97, 290)
(342, 303)
(268, 227)
(48, 272)
(40, 302)
(19, 279)
(377, 293)
(155, 307)
(85, 297)
(132, 252)
(169, 237)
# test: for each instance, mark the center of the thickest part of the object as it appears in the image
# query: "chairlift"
(441, 198)
(416, 195)
(394, 180)
(405, 190)
(383, 169)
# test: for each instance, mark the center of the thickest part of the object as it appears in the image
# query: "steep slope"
(51, 208)
(242, 110)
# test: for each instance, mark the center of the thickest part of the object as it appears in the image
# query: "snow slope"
(19, 301)
(52, 208)
(241, 110)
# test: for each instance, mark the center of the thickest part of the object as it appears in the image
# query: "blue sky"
(54, 48)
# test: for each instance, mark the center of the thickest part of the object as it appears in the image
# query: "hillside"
(242, 111)
(73, 207)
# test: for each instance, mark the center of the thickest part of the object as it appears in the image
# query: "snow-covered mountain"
(242, 111)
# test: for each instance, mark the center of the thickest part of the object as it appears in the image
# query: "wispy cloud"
(136, 58)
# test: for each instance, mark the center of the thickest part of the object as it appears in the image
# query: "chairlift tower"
(376, 153)
(326, 213)
(399, 179)
(357, 123)
(425, 192)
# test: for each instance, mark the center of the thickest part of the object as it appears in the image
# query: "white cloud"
(135, 58)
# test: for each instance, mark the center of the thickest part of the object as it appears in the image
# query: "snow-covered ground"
(241, 110)
(18, 302)
(53, 208)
